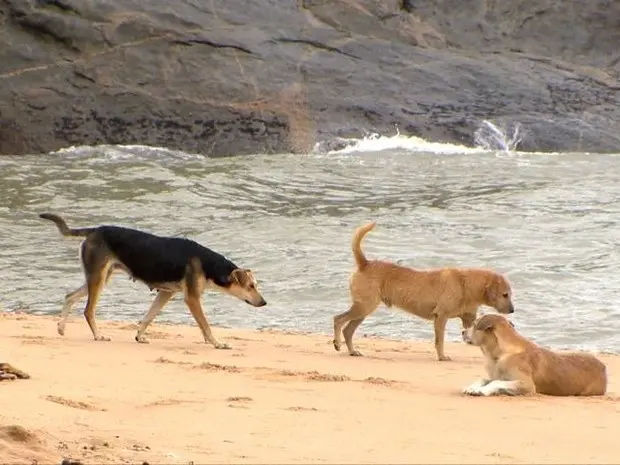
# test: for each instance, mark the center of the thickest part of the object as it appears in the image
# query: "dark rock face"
(228, 77)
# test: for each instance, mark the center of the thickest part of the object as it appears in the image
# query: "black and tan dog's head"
(243, 285)
(499, 294)
(489, 330)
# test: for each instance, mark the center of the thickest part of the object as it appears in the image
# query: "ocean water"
(550, 222)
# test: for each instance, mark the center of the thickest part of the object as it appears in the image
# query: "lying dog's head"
(243, 285)
(499, 294)
(488, 329)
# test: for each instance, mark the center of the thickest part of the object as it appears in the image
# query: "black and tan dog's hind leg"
(162, 298)
(194, 284)
(72, 298)
(9, 372)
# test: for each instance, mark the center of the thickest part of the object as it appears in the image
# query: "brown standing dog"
(435, 295)
(8, 371)
(517, 366)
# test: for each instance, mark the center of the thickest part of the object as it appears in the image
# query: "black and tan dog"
(9, 372)
(167, 264)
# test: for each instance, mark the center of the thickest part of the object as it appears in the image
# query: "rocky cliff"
(224, 77)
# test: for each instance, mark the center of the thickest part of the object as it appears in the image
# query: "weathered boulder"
(227, 77)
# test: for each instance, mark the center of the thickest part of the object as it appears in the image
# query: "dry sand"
(274, 398)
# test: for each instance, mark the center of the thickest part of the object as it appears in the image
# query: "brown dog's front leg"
(440, 322)
(467, 321)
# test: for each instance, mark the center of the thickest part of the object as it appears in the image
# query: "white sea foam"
(376, 143)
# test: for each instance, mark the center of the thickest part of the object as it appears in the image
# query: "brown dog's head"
(487, 329)
(242, 284)
(498, 294)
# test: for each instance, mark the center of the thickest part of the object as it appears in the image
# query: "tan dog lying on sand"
(8, 371)
(517, 366)
(436, 295)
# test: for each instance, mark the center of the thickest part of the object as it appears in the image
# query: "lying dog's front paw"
(222, 346)
(472, 392)
(475, 389)
(7, 376)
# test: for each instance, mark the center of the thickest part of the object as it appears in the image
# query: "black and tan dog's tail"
(356, 244)
(64, 229)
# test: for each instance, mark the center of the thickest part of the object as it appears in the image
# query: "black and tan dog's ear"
(239, 276)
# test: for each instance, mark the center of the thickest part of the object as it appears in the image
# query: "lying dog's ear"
(485, 325)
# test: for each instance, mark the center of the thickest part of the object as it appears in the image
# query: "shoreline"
(178, 400)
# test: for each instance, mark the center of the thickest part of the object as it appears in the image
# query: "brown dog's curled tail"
(63, 228)
(356, 245)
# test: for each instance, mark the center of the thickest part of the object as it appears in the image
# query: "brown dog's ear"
(490, 290)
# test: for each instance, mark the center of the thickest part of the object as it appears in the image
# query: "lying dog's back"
(157, 259)
(567, 374)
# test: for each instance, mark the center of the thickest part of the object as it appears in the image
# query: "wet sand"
(274, 398)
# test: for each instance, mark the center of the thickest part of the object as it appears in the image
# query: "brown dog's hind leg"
(348, 332)
(440, 320)
(354, 316)
(163, 297)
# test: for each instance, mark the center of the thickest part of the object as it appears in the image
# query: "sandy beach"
(275, 398)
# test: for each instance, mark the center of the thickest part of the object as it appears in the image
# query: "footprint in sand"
(164, 402)
(239, 401)
(217, 367)
(301, 409)
(167, 360)
(74, 403)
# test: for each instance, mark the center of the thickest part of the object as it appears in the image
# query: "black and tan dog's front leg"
(163, 297)
(195, 307)
(193, 291)
(9, 372)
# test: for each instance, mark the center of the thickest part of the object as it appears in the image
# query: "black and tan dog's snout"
(259, 303)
